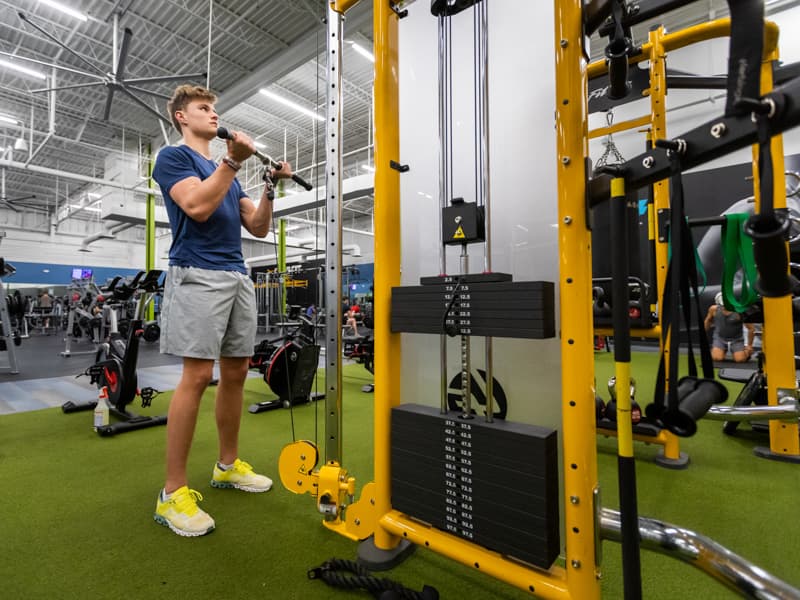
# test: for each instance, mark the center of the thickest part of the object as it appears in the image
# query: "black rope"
(348, 574)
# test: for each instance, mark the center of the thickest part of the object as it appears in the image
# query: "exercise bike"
(115, 362)
(362, 350)
(289, 366)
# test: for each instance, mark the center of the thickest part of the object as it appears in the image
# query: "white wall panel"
(522, 154)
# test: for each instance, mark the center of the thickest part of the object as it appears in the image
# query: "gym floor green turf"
(76, 509)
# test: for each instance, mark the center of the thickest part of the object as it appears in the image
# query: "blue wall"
(44, 273)
(359, 284)
(50, 274)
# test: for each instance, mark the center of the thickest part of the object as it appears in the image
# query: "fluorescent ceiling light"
(368, 168)
(5, 119)
(78, 206)
(92, 195)
(16, 67)
(290, 104)
(66, 9)
(260, 145)
(363, 52)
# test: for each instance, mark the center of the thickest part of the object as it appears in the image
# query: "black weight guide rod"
(467, 476)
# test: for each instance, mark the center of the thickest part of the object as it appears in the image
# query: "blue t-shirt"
(215, 244)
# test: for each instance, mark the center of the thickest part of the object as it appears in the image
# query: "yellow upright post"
(778, 341)
(575, 292)
(150, 228)
(387, 254)
(658, 130)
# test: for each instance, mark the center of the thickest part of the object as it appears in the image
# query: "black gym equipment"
(639, 302)
(752, 403)
(454, 396)
(289, 366)
(115, 366)
(362, 350)
(8, 336)
(754, 392)
(152, 331)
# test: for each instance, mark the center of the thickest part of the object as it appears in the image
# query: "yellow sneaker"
(182, 515)
(240, 476)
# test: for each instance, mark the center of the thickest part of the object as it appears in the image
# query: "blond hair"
(182, 96)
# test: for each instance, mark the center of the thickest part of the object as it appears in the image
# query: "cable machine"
(388, 533)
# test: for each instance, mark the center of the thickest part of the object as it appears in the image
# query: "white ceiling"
(270, 44)
(274, 44)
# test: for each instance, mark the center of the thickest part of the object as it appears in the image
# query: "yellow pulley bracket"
(332, 487)
(296, 464)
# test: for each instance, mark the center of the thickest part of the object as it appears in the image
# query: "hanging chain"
(611, 156)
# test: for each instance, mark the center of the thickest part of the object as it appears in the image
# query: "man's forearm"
(263, 215)
(208, 194)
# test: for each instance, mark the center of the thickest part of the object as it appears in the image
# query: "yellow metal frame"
(784, 438)
(777, 336)
(150, 228)
(655, 51)
(373, 514)
(692, 35)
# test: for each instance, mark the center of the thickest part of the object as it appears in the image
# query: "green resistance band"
(737, 250)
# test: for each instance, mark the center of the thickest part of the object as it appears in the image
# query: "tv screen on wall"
(80, 273)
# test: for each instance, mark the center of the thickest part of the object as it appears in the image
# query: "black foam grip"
(770, 253)
(696, 397)
(617, 55)
(302, 182)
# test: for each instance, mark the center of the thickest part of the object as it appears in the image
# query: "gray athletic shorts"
(208, 314)
(737, 344)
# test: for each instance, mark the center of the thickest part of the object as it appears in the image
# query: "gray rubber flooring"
(36, 394)
(39, 356)
(47, 379)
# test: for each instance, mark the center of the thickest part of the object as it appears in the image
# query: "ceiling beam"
(284, 62)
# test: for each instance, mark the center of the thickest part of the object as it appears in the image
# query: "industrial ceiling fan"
(114, 80)
(11, 202)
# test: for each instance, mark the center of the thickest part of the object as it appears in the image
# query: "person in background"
(727, 326)
(209, 309)
(45, 306)
(351, 319)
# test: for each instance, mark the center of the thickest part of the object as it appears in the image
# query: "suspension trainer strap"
(737, 251)
(767, 228)
(670, 305)
(680, 292)
(765, 178)
(694, 295)
(744, 55)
